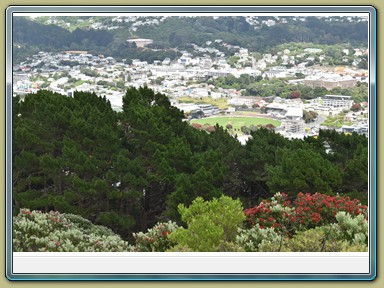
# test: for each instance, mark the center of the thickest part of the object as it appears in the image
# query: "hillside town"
(71, 71)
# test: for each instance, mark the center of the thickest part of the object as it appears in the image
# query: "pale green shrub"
(352, 229)
(34, 231)
(254, 238)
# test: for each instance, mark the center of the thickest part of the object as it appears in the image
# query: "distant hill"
(238, 31)
(259, 34)
(30, 36)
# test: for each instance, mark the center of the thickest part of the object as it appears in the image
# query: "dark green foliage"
(259, 151)
(350, 154)
(302, 170)
(278, 87)
(63, 150)
(130, 170)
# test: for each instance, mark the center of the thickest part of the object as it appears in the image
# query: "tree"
(356, 107)
(245, 130)
(295, 94)
(71, 143)
(211, 225)
(258, 151)
(129, 170)
(356, 172)
(309, 116)
(302, 170)
(270, 126)
(363, 64)
(229, 126)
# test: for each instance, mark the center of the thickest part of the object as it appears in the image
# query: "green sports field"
(236, 122)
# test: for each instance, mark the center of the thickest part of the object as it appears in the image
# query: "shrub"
(229, 126)
(87, 227)
(180, 248)
(276, 212)
(349, 234)
(254, 238)
(307, 211)
(354, 230)
(211, 224)
(313, 240)
(34, 231)
(321, 209)
(156, 239)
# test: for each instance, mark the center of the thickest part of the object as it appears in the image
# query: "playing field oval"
(236, 122)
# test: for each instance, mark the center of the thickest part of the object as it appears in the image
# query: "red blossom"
(309, 209)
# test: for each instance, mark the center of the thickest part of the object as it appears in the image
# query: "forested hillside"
(30, 37)
(129, 170)
(237, 31)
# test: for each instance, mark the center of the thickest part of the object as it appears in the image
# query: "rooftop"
(294, 112)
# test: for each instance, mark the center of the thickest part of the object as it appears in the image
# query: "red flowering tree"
(356, 107)
(321, 209)
(197, 126)
(306, 212)
(295, 94)
(209, 128)
(270, 126)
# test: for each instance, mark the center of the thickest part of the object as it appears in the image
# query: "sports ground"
(236, 122)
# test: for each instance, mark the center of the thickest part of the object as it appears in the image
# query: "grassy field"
(236, 122)
(221, 103)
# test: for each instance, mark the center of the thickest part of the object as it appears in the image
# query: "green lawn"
(236, 122)
(221, 103)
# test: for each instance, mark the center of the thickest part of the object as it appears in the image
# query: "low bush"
(306, 212)
(156, 238)
(35, 231)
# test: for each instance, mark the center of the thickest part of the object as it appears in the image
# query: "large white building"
(330, 81)
(294, 126)
(140, 42)
(294, 122)
(335, 101)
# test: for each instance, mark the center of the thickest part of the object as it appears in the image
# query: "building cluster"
(290, 112)
(71, 71)
(360, 128)
(330, 104)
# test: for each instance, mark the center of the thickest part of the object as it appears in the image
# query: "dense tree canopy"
(129, 170)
